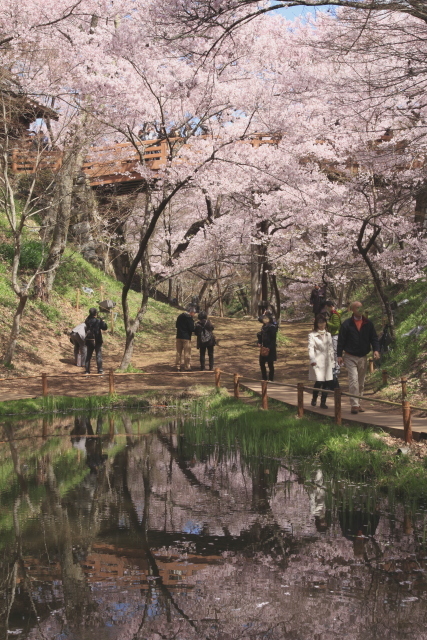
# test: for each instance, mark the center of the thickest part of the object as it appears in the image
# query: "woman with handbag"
(322, 360)
(267, 339)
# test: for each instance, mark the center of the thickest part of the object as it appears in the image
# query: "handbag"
(264, 351)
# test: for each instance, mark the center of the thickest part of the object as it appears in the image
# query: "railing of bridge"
(112, 163)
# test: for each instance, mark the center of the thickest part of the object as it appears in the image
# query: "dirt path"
(237, 352)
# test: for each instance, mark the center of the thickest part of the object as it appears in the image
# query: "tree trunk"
(364, 252)
(254, 281)
(275, 290)
(421, 207)
(132, 326)
(72, 162)
(10, 349)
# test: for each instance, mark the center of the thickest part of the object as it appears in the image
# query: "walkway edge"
(396, 432)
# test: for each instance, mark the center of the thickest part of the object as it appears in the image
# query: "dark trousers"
(91, 347)
(263, 360)
(203, 356)
(328, 384)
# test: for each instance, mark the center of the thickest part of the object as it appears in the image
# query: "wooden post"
(300, 387)
(236, 385)
(111, 381)
(101, 292)
(407, 421)
(44, 384)
(385, 376)
(404, 380)
(337, 406)
(371, 365)
(78, 300)
(217, 378)
(112, 322)
(264, 396)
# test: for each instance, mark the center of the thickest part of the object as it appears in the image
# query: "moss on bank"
(352, 453)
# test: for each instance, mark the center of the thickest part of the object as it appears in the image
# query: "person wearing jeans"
(356, 338)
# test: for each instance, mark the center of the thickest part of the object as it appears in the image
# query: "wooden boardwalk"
(375, 415)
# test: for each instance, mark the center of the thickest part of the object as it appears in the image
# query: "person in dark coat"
(318, 298)
(267, 337)
(205, 340)
(184, 329)
(356, 338)
(94, 328)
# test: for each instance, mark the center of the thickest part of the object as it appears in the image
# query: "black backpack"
(91, 330)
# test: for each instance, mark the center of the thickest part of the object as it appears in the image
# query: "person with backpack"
(267, 340)
(205, 340)
(93, 339)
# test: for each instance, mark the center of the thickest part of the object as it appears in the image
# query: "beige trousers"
(356, 368)
(183, 346)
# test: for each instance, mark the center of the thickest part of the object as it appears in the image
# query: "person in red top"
(356, 338)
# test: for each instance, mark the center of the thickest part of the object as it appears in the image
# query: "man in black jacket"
(184, 329)
(356, 338)
(93, 341)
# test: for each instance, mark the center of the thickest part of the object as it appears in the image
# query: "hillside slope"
(44, 344)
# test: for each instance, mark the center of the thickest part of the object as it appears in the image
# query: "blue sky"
(294, 12)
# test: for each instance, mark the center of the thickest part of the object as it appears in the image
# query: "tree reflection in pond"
(108, 534)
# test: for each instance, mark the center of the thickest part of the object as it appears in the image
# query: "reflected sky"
(138, 527)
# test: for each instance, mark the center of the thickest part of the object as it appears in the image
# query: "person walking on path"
(93, 339)
(267, 339)
(322, 360)
(356, 338)
(184, 329)
(77, 338)
(317, 298)
(205, 340)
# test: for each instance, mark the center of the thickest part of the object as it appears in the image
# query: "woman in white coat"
(322, 360)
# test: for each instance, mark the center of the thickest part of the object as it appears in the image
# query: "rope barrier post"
(404, 380)
(264, 396)
(112, 322)
(44, 384)
(111, 381)
(371, 365)
(407, 421)
(385, 376)
(337, 406)
(300, 392)
(217, 378)
(236, 385)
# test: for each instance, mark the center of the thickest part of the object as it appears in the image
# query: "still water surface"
(111, 531)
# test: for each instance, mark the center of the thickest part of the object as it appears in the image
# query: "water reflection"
(107, 533)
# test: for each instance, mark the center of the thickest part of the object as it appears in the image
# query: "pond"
(121, 526)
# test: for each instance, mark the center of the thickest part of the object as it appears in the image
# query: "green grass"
(63, 404)
(352, 453)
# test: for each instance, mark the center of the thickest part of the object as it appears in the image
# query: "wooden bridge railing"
(114, 163)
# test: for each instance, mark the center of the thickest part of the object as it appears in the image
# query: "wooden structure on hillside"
(112, 164)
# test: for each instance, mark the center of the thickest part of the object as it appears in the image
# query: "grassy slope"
(408, 356)
(59, 316)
